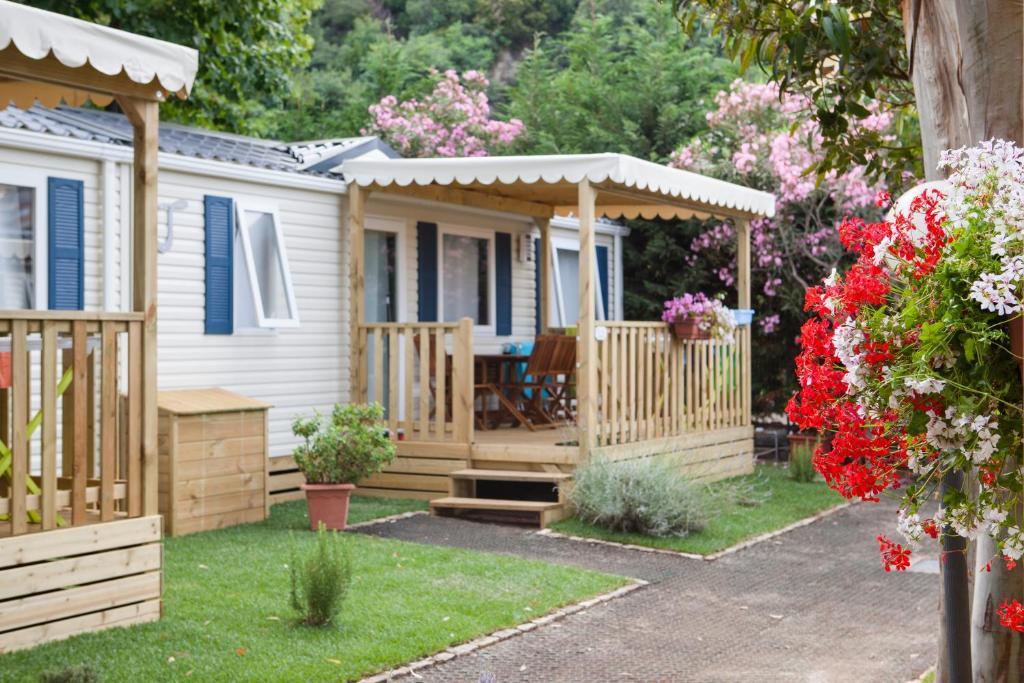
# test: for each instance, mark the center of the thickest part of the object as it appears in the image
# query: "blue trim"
(66, 238)
(536, 284)
(602, 276)
(219, 221)
(426, 256)
(503, 283)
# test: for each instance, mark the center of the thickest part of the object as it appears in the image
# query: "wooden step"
(510, 475)
(494, 504)
(537, 512)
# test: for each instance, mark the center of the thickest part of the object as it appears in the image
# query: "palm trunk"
(968, 81)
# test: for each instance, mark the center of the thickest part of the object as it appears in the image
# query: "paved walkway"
(811, 605)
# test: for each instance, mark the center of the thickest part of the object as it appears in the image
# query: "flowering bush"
(452, 121)
(906, 358)
(758, 139)
(711, 314)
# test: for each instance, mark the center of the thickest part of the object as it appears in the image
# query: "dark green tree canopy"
(249, 50)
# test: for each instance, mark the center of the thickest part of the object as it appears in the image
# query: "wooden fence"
(422, 373)
(652, 385)
(70, 419)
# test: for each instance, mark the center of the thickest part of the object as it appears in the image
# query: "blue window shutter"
(536, 284)
(66, 237)
(503, 283)
(219, 220)
(426, 253)
(602, 276)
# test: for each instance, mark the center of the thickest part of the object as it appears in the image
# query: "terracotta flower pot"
(328, 503)
(689, 329)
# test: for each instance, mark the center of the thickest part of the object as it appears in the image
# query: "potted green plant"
(354, 443)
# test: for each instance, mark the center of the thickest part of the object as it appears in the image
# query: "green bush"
(73, 674)
(353, 444)
(801, 463)
(320, 581)
(639, 496)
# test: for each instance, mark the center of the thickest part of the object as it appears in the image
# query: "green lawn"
(226, 616)
(787, 502)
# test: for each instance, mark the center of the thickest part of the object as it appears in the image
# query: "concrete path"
(811, 605)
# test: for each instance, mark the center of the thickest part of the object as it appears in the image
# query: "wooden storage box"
(213, 459)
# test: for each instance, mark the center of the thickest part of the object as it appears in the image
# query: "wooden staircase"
(518, 496)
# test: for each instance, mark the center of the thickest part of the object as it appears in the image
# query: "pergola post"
(357, 282)
(586, 375)
(743, 301)
(144, 116)
(544, 263)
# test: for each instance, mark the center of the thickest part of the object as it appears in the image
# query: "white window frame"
(567, 244)
(398, 228)
(38, 181)
(243, 205)
(479, 233)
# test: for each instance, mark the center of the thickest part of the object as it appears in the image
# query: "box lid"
(204, 401)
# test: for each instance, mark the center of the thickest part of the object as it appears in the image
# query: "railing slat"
(134, 454)
(393, 372)
(424, 337)
(19, 418)
(48, 404)
(108, 420)
(80, 390)
(440, 384)
(378, 366)
(407, 334)
(462, 382)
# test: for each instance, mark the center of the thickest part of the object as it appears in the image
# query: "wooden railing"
(422, 373)
(652, 385)
(70, 419)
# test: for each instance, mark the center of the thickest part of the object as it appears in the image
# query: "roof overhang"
(52, 57)
(544, 186)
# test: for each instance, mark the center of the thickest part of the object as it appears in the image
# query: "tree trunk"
(968, 82)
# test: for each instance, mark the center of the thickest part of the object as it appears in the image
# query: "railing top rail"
(63, 316)
(416, 325)
(643, 324)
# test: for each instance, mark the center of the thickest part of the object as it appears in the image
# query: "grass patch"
(788, 501)
(226, 614)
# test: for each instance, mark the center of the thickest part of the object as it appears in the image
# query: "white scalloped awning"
(108, 58)
(626, 186)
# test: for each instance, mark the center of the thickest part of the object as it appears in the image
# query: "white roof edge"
(37, 33)
(620, 169)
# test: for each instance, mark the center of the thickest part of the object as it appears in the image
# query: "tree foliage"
(840, 56)
(249, 51)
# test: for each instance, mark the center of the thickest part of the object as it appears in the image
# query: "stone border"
(498, 636)
(386, 520)
(695, 556)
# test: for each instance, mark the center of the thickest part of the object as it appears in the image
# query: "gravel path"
(810, 605)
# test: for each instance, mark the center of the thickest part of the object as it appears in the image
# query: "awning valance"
(626, 186)
(104, 60)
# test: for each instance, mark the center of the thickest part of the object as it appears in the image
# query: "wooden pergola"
(51, 58)
(588, 186)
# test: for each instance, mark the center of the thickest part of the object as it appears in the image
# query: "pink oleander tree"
(454, 120)
(758, 139)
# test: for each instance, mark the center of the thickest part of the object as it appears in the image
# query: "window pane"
(464, 269)
(380, 276)
(266, 256)
(569, 276)
(17, 267)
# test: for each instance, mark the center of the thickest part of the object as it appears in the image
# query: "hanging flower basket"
(689, 329)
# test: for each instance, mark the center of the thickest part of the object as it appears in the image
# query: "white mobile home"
(253, 254)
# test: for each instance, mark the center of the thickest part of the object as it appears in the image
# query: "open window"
(565, 302)
(22, 247)
(264, 295)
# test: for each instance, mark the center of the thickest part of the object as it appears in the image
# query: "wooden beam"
(356, 276)
(15, 65)
(586, 373)
(743, 263)
(544, 263)
(145, 116)
(470, 198)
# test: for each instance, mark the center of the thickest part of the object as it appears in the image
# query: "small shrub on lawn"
(320, 581)
(801, 464)
(639, 496)
(73, 674)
